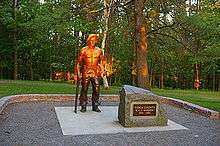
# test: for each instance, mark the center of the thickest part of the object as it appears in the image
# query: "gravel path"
(36, 123)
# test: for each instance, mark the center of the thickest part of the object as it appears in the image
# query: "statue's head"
(92, 39)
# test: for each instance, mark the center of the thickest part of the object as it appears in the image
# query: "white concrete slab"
(100, 123)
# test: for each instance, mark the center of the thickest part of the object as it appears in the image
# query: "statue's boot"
(83, 108)
(96, 108)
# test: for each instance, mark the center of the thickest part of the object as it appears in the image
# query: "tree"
(161, 34)
(141, 45)
(14, 11)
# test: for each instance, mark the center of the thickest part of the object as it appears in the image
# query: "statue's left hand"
(76, 78)
(103, 73)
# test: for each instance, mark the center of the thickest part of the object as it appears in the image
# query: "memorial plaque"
(144, 109)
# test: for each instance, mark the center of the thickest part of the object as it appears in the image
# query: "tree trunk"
(151, 78)
(162, 79)
(141, 45)
(218, 89)
(213, 81)
(31, 67)
(107, 12)
(15, 60)
(108, 21)
(15, 55)
(190, 7)
(1, 72)
(196, 77)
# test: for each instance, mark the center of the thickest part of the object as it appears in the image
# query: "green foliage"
(47, 38)
(175, 46)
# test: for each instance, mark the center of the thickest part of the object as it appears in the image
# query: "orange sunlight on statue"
(89, 68)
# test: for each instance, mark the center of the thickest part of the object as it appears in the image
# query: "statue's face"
(93, 42)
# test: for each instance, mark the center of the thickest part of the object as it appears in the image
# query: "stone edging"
(4, 101)
(214, 115)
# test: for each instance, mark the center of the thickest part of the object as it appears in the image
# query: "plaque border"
(143, 102)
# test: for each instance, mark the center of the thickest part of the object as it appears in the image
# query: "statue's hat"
(92, 36)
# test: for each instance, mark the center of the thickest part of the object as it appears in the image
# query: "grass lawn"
(203, 98)
(10, 87)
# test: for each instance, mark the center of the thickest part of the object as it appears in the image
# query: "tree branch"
(172, 38)
(152, 31)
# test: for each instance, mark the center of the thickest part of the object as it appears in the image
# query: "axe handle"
(76, 97)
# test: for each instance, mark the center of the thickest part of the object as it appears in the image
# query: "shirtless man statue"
(89, 68)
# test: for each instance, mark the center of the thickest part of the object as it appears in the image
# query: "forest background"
(40, 38)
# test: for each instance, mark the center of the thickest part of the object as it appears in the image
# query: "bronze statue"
(89, 68)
